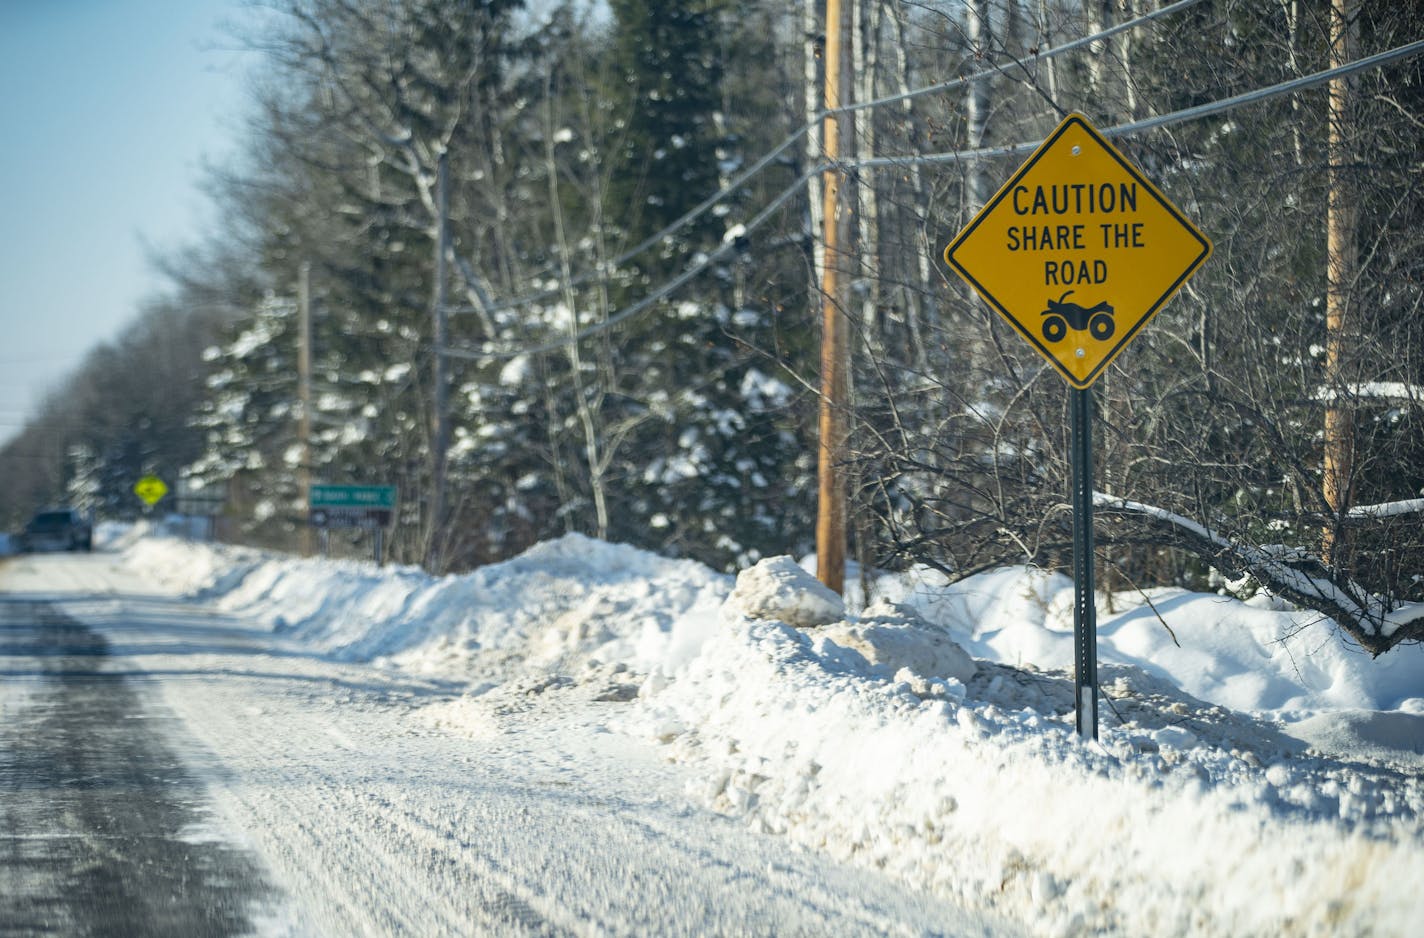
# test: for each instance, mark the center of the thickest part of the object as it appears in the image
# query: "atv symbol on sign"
(1061, 316)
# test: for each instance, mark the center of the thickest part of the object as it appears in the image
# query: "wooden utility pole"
(440, 418)
(304, 394)
(837, 133)
(1342, 222)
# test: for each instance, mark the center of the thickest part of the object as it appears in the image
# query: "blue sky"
(110, 110)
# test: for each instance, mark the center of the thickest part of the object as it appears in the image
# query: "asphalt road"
(102, 829)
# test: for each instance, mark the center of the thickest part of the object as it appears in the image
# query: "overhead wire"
(1377, 60)
(605, 268)
(662, 292)
(1209, 109)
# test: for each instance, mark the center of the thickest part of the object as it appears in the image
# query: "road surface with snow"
(166, 768)
(96, 803)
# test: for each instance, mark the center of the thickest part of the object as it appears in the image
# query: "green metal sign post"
(353, 506)
(1085, 610)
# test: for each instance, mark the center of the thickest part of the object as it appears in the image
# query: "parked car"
(57, 529)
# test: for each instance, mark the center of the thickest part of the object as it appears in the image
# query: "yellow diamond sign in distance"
(1078, 251)
(150, 489)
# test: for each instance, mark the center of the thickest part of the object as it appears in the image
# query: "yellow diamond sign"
(150, 489)
(1078, 251)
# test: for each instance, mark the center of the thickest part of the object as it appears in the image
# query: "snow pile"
(1256, 656)
(983, 792)
(778, 588)
(1380, 735)
(893, 639)
(179, 567)
(1255, 775)
(560, 603)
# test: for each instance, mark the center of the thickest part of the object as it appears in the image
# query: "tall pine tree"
(668, 77)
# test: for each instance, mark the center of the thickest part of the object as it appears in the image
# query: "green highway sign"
(353, 497)
(362, 506)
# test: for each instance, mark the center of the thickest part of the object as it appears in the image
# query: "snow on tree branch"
(1393, 392)
(1291, 572)
(1408, 506)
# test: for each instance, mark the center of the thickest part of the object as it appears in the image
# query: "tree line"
(631, 279)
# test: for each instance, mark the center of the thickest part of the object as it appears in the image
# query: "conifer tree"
(667, 85)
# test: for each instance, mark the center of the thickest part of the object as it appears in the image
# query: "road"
(99, 811)
(166, 769)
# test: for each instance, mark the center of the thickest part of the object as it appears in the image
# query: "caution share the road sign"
(1078, 251)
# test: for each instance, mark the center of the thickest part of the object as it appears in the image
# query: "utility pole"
(440, 419)
(304, 393)
(1341, 265)
(837, 132)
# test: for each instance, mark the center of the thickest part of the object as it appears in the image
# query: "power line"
(1378, 60)
(660, 293)
(1203, 110)
(604, 269)
(1071, 46)
(1290, 86)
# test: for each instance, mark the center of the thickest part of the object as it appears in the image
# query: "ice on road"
(98, 809)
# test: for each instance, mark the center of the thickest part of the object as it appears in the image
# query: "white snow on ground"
(1257, 656)
(1256, 775)
(572, 597)
(378, 801)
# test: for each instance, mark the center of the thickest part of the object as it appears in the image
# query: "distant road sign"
(351, 505)
(352, 496)
(1078, 251)
(191, 503)
(151, 489)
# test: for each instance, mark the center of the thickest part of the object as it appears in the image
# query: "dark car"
(57, 529)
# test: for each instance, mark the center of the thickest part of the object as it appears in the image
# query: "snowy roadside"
(377, 801)
(1259, 779)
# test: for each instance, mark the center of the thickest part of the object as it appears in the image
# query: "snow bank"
(1249, 656)
(985, 793)
(1255, 775)
(570, 598)
(577, 595)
